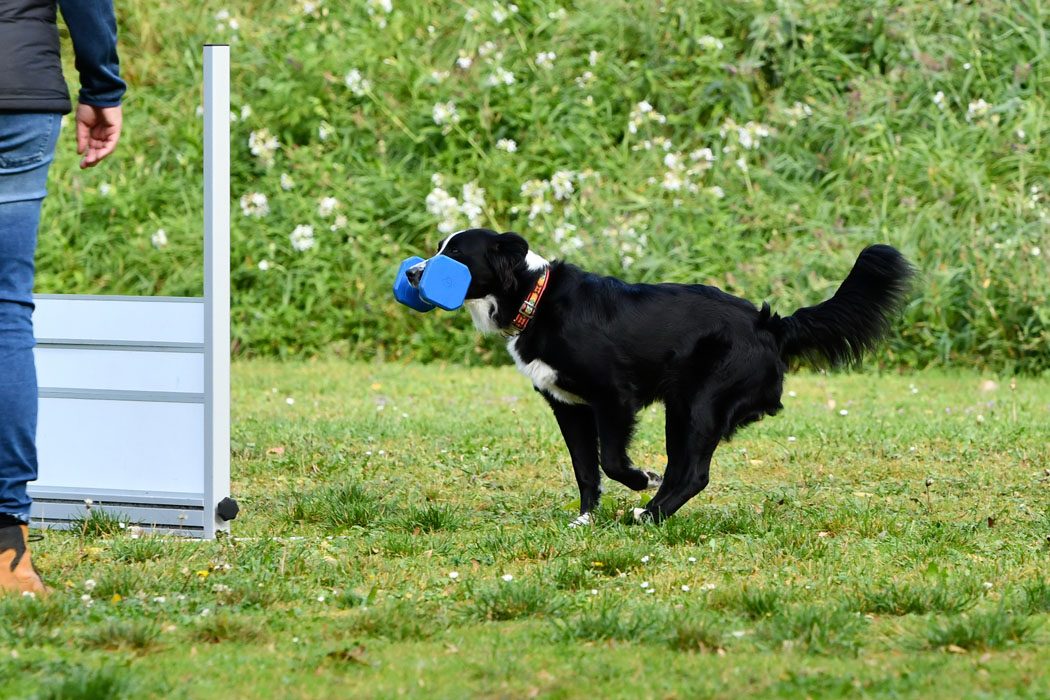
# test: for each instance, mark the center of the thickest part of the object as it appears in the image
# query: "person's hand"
(98, 130)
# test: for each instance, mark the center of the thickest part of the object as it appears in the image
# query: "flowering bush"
(758, 147)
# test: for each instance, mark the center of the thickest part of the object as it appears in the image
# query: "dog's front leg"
(615, 428)
(580, 431)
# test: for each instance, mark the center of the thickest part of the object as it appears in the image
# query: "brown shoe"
(17, 573)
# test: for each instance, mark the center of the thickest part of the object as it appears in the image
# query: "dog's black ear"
(508, 250)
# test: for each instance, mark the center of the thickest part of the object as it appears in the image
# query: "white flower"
(487, 49)
(977, 109)
(339, 223)
(988, 585)
(325, 130)
(378, 9)
(692, 559)
(560, 232)
(453, 575)
(797, 112)
(938, 100)
(717, 191)
(592, 58)
(508, 145)
(159, 599)
(673, 161)
(290, 401)
(704, 156)
(560, 13)
(310, 7)
(255, 204)
(742, 164)
(443, 206)
(645, 558)
(966, 66)
(643, 112)
(264, 265)
(287, 182)
(445, 113)
(792, 438)
(464, 61)
(498, 13)
(263, 145)
(358, 84)
(159, 238)
(439, 76)
(685, 588)
(472, 15)
(843, 412)
(205, 612)
(90, 584)
(545, 59)
(499, 76)
(104, 189)
(672, 181)
(507, 577)
(561, 183)
(473, 203)
(584, 80)
(1036, 252)
(327, 205)
(709, 42)
(645, 584)
(302, 237)
(535, 188)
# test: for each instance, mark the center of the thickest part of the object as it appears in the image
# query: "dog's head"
(491, 258)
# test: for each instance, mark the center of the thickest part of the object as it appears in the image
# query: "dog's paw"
(584, 519)
(655, 480)
(641, 515)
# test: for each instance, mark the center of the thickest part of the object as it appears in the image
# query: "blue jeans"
(27, 147)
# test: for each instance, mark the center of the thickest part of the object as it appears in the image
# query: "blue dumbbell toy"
(405, 292)
(444, 284)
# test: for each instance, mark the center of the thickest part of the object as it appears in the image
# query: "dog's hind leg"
(615, 427)
(580, 432)
(676, 433)
(691, 442)
(693, 480)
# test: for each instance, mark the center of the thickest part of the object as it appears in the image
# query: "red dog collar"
(528, 307)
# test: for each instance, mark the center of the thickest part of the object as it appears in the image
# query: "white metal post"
(216, 283)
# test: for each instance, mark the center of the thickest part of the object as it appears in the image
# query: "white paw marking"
(639, 514)
(655, 480)
(584, 519)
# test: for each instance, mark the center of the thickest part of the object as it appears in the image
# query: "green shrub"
(919, 125)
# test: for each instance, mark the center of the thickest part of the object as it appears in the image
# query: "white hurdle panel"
(135, 391)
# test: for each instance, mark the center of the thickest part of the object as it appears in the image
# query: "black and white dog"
(599, 349)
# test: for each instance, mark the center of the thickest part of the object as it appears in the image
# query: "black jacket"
(31, 62)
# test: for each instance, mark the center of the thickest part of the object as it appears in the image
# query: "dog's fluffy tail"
(841, 329)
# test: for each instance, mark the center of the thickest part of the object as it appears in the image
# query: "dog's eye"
(454, 251)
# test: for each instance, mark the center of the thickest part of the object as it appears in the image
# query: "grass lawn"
(404, 533)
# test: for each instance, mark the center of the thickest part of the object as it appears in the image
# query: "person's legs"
(27, 146)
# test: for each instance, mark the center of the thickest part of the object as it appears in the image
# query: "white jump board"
(122, 409)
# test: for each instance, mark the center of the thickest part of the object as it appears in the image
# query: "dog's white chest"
(543, 376)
